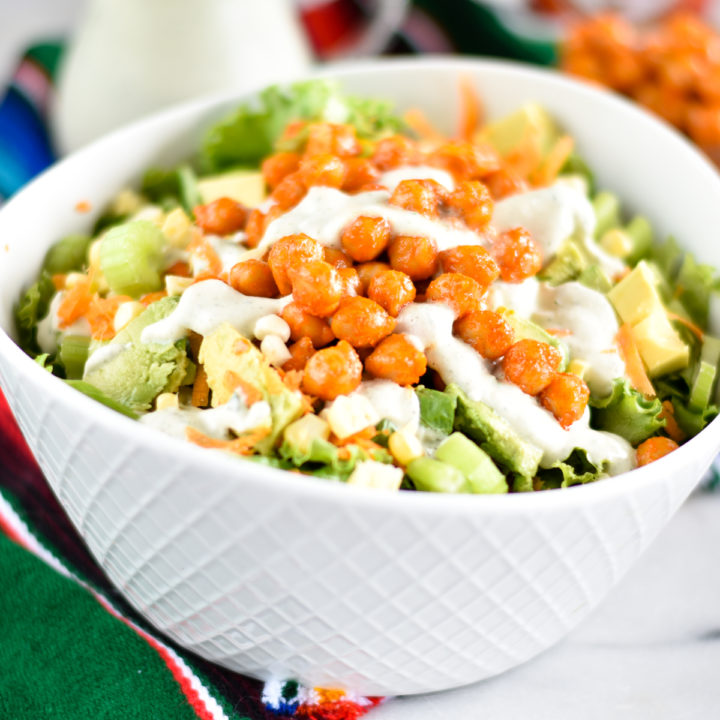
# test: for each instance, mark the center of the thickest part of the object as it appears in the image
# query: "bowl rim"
(306, 485)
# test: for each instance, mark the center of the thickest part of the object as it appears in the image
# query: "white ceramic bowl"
(276, 574)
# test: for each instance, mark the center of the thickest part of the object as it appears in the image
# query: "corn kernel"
(271, 325)
(376, 475)
(349, 414)
(176, 228)
(126, 202)
(176, 284)
(151, 213)
(166, 401)
(125, 313)
(405, 446)
(617, 242)
(578, 367)
(275, 350)
(74, 278)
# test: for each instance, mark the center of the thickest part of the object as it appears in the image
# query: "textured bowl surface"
(273, 574)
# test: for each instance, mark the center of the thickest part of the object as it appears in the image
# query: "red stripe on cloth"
(10, 532)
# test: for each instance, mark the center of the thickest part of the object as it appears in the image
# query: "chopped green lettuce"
(641, 234)
(437, 409)
(576, 165)
(67, 254)
(627, 413)
(574, 470)
(607, 212)
(694, 283)
(170, 188)
(31, 308)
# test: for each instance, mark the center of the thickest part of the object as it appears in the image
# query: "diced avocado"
(659, 344)
(244, 186)
(232, 362)
(526, 329)
(567, 264)
(475, 464)
(494, 435)
(594, 277)
(636, 296)
(139, 371)
(430, 475)
(531, 120)
(437, 409)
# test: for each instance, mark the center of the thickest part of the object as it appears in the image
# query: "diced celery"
(641, 233)
(131, 258)
(73, 354)
(704, 382)
(607, 212)
(475, 464)
(67, 254)
(431, 475)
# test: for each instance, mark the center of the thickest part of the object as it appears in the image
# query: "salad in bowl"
(331, 288)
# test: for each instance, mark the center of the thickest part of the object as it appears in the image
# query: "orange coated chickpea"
(303, 324)
(392, 289)
(253, 277)
(366, 237)
(328, 138)
(653, 449)
(332, 371)
(289, 252)
(337, 258)
(473, 261)
(360, 172)
(255, 227)
(419, 196)
(472, 201)
(300, 352)
(367, 271)
(531, 365)
(566, 397)
(415, 256)
(503, 183)
(362, 322)
(486, 331)
(316, 287)
(465, 160)
(517, 254)
(350, 281)
(324, 169)
(397, 359)
(289, 191)
(277, 167)
(458, 291)
(394, 151)
(221, 217)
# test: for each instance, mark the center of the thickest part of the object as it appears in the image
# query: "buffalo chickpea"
(362, 322)
(566, 397)
(653, 449)
(397, 359)
(289, 191)
(300, 352)
(486, 331)
(458, 291)
(472, 201)
(221, 217)
(303, 324)
(473, 261)
(255, 227)
(349, 281)
(328, 138)
(419, 196)
(359, 173)
(517, 255)
(367, 271)
(392, 289)
(337, 258)
(394, 151)
(332, 371)
(324, 169)
(278, 166)
(465, 160)
(415, 256)
(316, 287)
(291, 251)
(531, 365)
(253, 277)
(504, 182)
(366, 237)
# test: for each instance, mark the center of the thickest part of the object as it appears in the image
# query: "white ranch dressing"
(458, 363)
(104, 354)
(324, 212)
(228, 250)
(48, 329)
(521, 298)
(552, 215)
(205, 306)
(392, 178)
(391, 401)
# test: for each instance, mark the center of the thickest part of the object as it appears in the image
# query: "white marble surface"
(651, 651)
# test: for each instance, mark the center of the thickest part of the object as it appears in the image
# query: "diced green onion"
(607, 212)
(73, 354)
(131, 258)
(475, 464)
(67, 255)
(431, 475)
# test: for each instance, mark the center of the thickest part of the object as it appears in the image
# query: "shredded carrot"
(83, 206)
(232, 381)
(75, 303)
(671, 426)
(200, 389)
(471, 109)
(241, 446)
(559, 332)
(101, 316)
(691, 326)
(180, 268)
(633, 363)
(59, 281)
(362, 439)
(546, 173)
(424, 129)
(150, 298)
